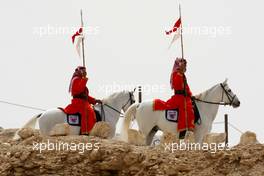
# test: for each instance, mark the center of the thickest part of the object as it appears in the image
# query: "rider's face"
(83, 72)
(183, 65)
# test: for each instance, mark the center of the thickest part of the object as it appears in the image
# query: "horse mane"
(112, 96)
(205, 93)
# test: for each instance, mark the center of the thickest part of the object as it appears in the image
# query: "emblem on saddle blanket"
(74, 119)
(172, 115)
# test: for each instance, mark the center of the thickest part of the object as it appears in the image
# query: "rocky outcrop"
(248, 138)
(87, 155)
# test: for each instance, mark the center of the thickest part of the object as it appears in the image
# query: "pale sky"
(126, 45)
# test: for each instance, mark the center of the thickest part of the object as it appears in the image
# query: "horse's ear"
(225, 81)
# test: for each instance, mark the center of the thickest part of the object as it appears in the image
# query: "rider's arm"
(91, 100)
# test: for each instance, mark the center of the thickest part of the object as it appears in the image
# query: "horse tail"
(129, 114)
(30, 124)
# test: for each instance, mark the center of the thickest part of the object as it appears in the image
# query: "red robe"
(81, 103)
(186, 114)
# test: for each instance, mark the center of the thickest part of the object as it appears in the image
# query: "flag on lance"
(176, 30)
(77, 39)
(175, 27)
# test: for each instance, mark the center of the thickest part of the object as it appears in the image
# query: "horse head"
(228, 96)
(129, 99)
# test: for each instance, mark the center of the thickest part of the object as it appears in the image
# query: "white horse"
(110, 112)
(149, 121)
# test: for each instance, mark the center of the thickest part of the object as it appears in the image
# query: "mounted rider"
(81, 101)
(181, 98)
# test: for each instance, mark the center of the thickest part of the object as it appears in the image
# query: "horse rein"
(112, 108)
(129, 100)
(230, 98)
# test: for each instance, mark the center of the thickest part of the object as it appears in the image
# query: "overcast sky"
(126, 45)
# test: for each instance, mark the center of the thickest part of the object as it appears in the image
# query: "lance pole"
(82, 39)
(181, 32)
(185, 83)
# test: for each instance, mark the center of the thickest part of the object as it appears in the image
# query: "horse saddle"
(197, 117)
(97, 115)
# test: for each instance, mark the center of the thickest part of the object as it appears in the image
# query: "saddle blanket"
(173, 114)
(75, 119)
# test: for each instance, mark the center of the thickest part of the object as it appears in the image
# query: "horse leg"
(200, 131)
(151, 134)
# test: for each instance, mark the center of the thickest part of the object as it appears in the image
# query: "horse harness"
(131, 100)
(230, 97)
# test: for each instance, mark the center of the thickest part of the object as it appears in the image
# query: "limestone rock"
(136, 138)
(62, 129)
(102, 130)
(248, 138)
(169, 138)
(25, 133)
(215, 138)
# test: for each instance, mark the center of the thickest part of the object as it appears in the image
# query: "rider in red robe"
(81, 101)
(181, 98)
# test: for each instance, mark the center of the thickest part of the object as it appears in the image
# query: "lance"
(85, 112)
(181, 32)
(82, 39)
(185, 93)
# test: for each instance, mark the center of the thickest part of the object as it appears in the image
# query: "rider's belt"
(179, 92)
(81, 96)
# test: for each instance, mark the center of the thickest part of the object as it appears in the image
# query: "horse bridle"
(230, 98)
(131, 100)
